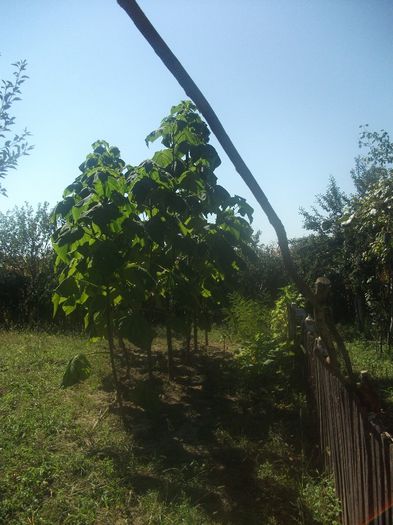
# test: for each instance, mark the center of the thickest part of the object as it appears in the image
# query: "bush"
(262, 332)
(245, 318)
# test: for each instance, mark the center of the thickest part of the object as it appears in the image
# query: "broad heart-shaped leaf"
(137, 330)
(132, 226)
(100, 146)
(206, 151)
(106, 258)
(167, 199)
(57, 300)
(154, 135)
(63, 207)
(183, 106)
(163, 158)
(78, 368)
(75, 187)
(219, 197)
(102, 214)
(67, 288)
(70, 236)
(157, 228)
(68, 309)
(243, 207)
(191, 181)
(142, 188)
(61, 252)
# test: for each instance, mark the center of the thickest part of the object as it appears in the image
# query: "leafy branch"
(13, 148)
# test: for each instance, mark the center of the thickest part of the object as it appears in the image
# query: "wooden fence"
(355, 447)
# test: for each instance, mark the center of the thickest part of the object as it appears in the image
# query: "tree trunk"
(170, 349)
(188, 341)
(109, 320)
(149, 362)
(126, 356)
(195, 327)
(206, 338)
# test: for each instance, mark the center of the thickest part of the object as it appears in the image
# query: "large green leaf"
(78, 368)
(163, 158)
(208, 152)
(142, 189)
(64, 206)
(67, 287)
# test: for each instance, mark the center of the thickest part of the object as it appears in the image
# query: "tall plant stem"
(169, 343)
(149, 361)
(188, 341)
(109, 322)
(126, 356)
(195, 330)
(175, 67)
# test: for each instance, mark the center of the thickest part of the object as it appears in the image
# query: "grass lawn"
(210, 447)
(365, 355)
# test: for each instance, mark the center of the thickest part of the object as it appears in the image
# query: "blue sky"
(290, 80)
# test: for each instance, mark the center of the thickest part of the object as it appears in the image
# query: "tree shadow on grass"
(200, 436)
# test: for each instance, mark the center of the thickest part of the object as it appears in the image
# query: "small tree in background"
(11, 147)
(26, 275)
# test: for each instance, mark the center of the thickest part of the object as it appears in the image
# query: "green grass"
(365, 355)
(209, 448)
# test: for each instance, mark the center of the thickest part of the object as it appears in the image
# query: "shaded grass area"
(218, 445)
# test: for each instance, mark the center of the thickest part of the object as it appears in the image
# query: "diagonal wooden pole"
(172, 63)
(175, 67)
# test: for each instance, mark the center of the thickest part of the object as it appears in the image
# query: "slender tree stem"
(195, 327)
(149, 362)
(170, 349)
(109, 319)
(126, 356)
(188, 340)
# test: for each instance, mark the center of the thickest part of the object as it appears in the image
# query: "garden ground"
(215, 446)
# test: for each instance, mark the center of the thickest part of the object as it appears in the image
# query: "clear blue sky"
(291, 81)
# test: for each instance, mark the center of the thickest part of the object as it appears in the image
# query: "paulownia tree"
(213, 229)
(100, 253)
(158, 236)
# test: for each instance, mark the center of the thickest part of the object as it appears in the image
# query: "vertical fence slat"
(365, 469)
(390, 470)
(357, 480)
(386, 481)
(362, 484)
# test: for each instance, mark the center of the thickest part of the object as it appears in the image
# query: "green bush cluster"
(260, 332)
